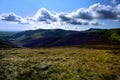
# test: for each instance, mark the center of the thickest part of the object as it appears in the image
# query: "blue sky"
(17, 15)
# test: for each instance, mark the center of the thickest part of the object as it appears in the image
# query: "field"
(61, 63)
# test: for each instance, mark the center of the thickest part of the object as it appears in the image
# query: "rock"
(44, 67)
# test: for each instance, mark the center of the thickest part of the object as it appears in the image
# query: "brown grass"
(64, 63)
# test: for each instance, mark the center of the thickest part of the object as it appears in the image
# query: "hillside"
(5, 44)
(111, 36)
(114, 35)
(59, 37)
(27, 37)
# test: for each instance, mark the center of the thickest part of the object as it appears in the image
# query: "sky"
(19, 15)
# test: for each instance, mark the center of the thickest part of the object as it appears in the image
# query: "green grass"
(115, 35)
(64, 63)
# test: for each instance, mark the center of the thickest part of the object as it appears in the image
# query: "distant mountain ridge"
(27, 37)
(94, 29)
(59, 37)
(79, 38)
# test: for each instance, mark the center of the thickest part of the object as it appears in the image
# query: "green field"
(61, 63)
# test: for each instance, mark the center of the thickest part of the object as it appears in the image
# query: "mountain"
(7, 33)
(59, 37)
(96, 37)
(103, 36)
(27, 37)
(5, 44)
(94, 29)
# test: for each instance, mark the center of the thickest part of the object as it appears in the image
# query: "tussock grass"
(63, 63)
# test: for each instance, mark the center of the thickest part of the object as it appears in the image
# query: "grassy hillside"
(61, 63)
(58, 37)
(114, 35)
(26, 37)
(5, 44)
(7, 33)
(111, 36)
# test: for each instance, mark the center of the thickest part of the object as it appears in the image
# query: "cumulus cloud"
(43, 15)
(105, 12)
(10, 17)
(64, 17)
(82, 16)
(26, 20)
(86, 16)
(68, 19)
(81, 13)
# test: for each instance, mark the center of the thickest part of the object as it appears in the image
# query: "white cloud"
(43, 15)
(11, 17)
(82, 16)
(81, 13)
(104, 11)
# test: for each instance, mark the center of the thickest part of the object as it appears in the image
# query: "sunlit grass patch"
(60, 63)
